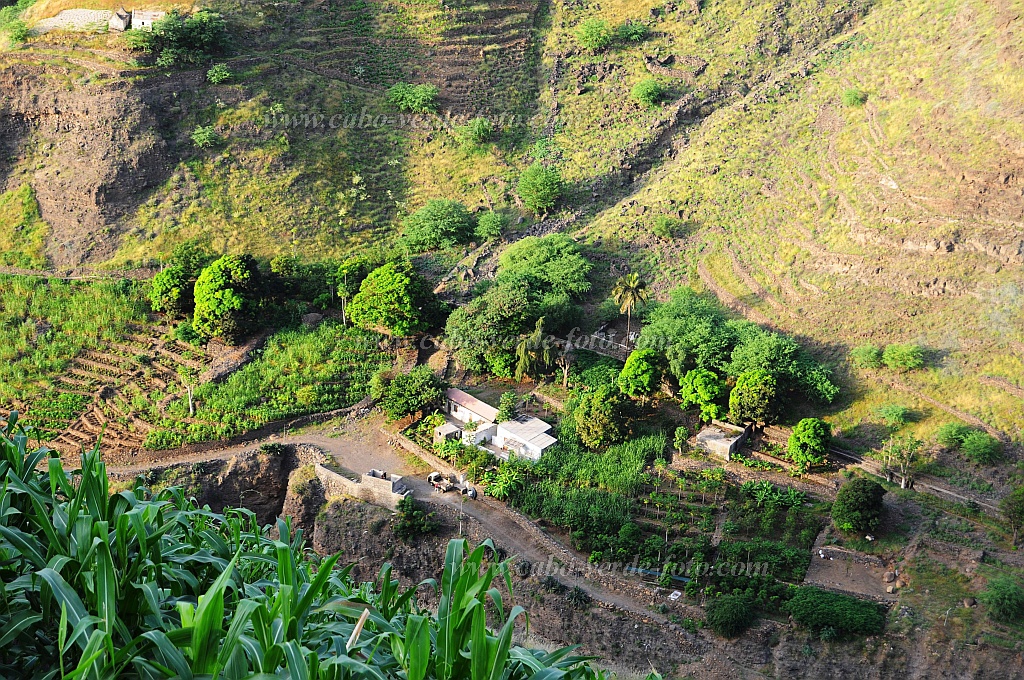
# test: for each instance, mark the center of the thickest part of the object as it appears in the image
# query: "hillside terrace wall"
(369, 489)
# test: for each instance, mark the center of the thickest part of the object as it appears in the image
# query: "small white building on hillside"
(474, 422)
(143, 20)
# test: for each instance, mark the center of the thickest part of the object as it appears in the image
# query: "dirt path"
(361, 445)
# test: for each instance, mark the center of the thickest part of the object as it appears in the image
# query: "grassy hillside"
(869, 191)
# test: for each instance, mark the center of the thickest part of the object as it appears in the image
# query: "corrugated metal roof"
(471, 403)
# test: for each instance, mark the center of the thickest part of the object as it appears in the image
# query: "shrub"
(952, 435)
(867, 356)
(730, 615)
(632, 32)
(648, 92)
(17, 31)
(809, 442)
(540, 187)
(893, 415)
(702, 388)
(476, 131)
(903, 357)
(205, 136)
(490, 225)
(413, 98)
(820, 609)
(854, 97)
(594, 34)
(858, 505)
(439, 224)
(178, 39)
(219, 73)
(417, 391)
(665, 227)
(413, 521)
(981, 447)
(1004, 598)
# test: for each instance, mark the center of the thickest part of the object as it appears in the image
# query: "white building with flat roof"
(475, 423)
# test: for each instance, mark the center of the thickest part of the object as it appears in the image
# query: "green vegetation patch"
(22, 229)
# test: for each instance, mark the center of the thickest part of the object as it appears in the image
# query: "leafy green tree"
(630, 292)
(1012, 509)
(702, 388)
(417, 391)
(648, 92)
(413, 98)
(1004, 598)
(599, 417)
(490, 226)
(507, 482)
(808, 443)
(903, 357)
(981, 447)
(413, 521)
(730, 615)
(437, 225)
(507, 406)
(858, 505)
(867, 356)
(540, 187)
(171, 291)
(546, 263)
(641, 375)
(178, 39)
(595, 34)
(754, 397)
(227, 298)
(483, 333)
(395, 299)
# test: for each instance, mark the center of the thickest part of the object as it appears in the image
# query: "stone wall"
(369, 489)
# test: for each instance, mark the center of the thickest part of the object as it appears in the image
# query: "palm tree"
(630, 291)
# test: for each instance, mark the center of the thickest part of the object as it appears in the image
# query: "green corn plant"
(137, 584)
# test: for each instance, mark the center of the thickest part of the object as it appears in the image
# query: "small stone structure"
(376, 486)
(120, 21)
(722, 439)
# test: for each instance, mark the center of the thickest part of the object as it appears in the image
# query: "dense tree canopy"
(858, 505)
(808, 443)
(599, 418)
(484, 332)
(227, 298)
(439, 224)
(395, 299)
(754, 397)
(408, 393)
(704, 389)
(641, 375)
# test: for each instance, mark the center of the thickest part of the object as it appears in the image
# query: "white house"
(142, 20)
(474, 422)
